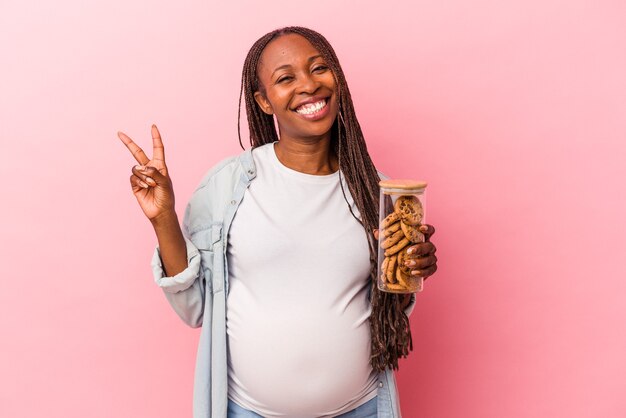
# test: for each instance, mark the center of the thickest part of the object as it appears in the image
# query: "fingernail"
(410, 263)
(150, 180)
(139, 167)
(410, 250)
(144, 185)
(416, 272)
(423, 228)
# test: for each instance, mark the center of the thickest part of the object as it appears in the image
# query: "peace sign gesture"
(150, 182)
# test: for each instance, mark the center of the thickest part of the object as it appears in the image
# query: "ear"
(263, 103)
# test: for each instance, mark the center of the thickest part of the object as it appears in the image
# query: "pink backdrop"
(513, 111)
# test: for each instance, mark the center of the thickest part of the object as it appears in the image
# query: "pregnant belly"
(298, 363)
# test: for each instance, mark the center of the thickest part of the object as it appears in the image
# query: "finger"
(137, 152)
(158, 150)
(421, 262)
(150, 175)
(142, 177)
(376, 234)
(422, 248)
(136, 183)
(427, 230)
(154, 173)
(429, 271)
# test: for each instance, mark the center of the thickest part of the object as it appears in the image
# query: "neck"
(310, 156)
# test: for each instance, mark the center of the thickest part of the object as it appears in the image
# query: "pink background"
(514, 112)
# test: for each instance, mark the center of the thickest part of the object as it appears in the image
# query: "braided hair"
(389, 325)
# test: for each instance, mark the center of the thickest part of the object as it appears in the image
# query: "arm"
(409, 304)
(406, 299)
(184, 284)
(171, 243)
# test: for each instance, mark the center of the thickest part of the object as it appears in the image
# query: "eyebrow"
(289, 65)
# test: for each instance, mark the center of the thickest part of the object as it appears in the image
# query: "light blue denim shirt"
(198, 293)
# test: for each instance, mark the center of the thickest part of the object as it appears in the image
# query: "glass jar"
(402, 212)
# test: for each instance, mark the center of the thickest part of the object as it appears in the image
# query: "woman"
(277, 256)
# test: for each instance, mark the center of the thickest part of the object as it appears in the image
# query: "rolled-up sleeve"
(182, 280)
(185, 290)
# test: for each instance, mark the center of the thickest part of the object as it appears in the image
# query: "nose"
(307, 83)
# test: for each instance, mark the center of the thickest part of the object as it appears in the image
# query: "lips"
(311, 108)
(314, 111)
(312, 100)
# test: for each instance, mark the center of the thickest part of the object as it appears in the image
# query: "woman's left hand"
(422, 260)
(425, 263)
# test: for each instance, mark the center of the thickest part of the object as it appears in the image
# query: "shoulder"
(210, 198)
(225, 169)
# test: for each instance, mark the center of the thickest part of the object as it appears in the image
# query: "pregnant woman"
(276, 258)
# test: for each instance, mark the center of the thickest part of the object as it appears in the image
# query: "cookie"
(403, 278)
(392, 240)
(409, 209)
(395, 287)
(390, 272)
(383, 269)
(389, 220)
(412, 232)
(402, 257)
(395, 227)
(400, 245)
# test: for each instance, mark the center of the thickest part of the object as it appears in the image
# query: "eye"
(320, 68)
(284, 78)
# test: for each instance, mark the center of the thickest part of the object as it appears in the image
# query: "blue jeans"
(368, 410)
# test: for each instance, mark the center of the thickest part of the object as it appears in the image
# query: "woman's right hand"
(150, 181)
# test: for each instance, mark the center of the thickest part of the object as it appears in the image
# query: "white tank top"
(297, 314)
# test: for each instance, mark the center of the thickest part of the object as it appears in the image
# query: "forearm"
(171, 243)
(405, 301)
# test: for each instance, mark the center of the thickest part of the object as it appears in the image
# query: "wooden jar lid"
(403, 184)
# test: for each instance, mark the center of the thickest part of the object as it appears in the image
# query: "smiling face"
(298, 87)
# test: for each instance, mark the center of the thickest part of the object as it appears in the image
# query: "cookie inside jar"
(402, 204)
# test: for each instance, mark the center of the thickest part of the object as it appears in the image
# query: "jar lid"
(403, 184)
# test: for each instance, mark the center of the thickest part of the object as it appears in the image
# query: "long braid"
(390, 330)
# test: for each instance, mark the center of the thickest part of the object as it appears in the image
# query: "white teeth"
(311, 108)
